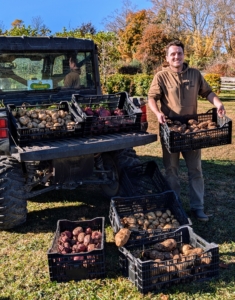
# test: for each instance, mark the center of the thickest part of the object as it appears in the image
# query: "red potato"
(77, 258)
(81, 237)
(77, 230)
(88, 230)
(79, 240)
(67, 248)
(91, 247)
(81, 248)
(87, 239)
(67, 233)
(119, 112)
(88, 111)
(96, 235)
(63, 239)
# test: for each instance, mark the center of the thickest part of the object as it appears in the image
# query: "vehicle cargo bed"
(72, 147)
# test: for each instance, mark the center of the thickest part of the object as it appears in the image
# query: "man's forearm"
(155, 109)
(153, 106)
(214, 99)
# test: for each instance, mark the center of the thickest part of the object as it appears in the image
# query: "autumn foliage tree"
(151, 49)
(130, 37)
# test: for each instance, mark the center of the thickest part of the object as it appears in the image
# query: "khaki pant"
(195, 177)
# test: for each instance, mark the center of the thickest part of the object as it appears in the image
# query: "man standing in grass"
(177, 88)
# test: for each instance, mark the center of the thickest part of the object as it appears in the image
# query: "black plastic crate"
(150, 276)
(176, 142)
(77, 266)
(25, 135)
(97, 124)
(125, 206)
(143, 179)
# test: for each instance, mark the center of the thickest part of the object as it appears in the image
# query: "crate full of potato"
(77, 250)
(44, 121)
(174, 258)
(196, 131)
(107, 113)
(147, 215)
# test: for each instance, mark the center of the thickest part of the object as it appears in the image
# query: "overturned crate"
(177, 139)
(154, 275)
(80, 265)
(107, 113)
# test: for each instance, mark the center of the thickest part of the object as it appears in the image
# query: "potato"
(41, 125)
(61, 113)
(154, 254)
(151, 216)
(167, 245)
(205, 259)
(87, 239)
(185, 247)
(81, 237)
(96, 235)
(194, 251)
(88, 230)
(30, 125)
(90, 247)
(14, 113)
(24, 120)
(164, 215)
(188, 250)
(54, 115)
(36, 121)
(81, 248)
(158, 213)
(192, 121)
(42, 116)
(122, 237)
(57, 125)
(131, 220)
(21, 112)
(202, 125)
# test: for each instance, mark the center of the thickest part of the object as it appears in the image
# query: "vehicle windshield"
(45, 71)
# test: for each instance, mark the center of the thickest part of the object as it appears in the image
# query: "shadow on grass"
(219, 198)
(89, 202)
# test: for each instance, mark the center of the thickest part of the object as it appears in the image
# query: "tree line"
(135, 40)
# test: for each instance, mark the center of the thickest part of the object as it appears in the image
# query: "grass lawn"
(23, 251)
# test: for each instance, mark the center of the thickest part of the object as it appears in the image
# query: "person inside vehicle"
(177, 87)
(72, 79)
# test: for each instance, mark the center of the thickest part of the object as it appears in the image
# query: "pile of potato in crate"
(157, 245)
(77, 250)
(196, 131)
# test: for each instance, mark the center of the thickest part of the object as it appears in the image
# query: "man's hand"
(221, 110)
(161, 118)
(213, 98)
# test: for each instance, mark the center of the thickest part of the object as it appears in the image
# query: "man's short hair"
(177, 43)
(73, 59)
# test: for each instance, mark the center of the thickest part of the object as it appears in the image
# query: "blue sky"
(57, 14)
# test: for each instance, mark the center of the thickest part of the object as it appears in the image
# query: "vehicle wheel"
(13, 205)
(110, 190)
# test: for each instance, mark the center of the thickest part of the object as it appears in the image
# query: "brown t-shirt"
(72, 79)
(178, 92)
